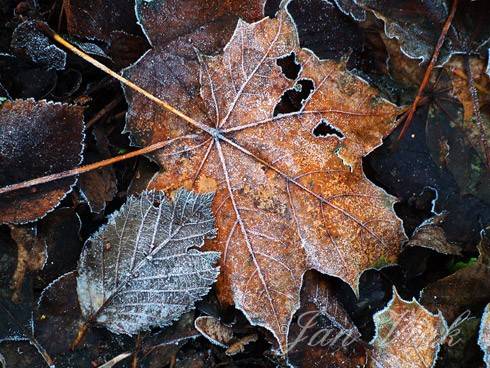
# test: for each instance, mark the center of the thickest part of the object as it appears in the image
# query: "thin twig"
(105, 110)
(123, 80)
(90, 167)
(428, 71)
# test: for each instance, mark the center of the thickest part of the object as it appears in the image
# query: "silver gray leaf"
(138, 271)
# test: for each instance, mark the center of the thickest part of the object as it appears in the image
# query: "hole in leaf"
(292, 100)
(325, 129)
(289, 66)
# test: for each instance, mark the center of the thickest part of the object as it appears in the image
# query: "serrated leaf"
(138, 271)
(407, 335)
(37, 138)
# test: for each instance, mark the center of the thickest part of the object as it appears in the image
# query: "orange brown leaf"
(286, 199)
(407, 335)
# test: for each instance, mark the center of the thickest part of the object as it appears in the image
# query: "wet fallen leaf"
(139, 270)
(323, 334)
(99, 18)
(467, 288)
(100, 186)
(290, 189)
(57, 320)
(37, 138)
(407, 335)
(61, 231)
(484, 336)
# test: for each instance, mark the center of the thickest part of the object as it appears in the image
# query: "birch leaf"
(139, 270)
(291, 194)
(37, 138)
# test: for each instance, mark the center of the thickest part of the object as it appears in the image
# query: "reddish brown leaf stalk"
(86, 168)
(428, 71)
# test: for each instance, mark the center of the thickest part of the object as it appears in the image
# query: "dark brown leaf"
(37, 138)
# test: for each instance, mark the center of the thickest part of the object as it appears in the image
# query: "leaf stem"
(428, 71)
(82, 331)
(89, 167)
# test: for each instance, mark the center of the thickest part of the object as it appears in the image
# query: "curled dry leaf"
(138, 271)
(430, 234)
(484, 336)
(287, 199)
(37, 138)
(407, 335)
(214, 330)
(466, 288)
(240, 345)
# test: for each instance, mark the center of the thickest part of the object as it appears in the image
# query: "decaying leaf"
(240, 345)
(431, 235)
(323, 334)
(37, 138)
(31, 256)
(16, 314)
(291, 193)
(57, 320)
(29, 41)
(97, 19)
(417, 25)
(100, 186)
(407, 335)
(466, 288)
(484, 336)
(214, 330)
(138, 271)
(61, 231)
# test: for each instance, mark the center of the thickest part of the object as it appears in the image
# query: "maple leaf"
(37, 138)
(138, 271)
(286, 200)
(407, 335)
(484, 335)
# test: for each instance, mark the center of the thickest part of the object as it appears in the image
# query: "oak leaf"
(287, 200)
(138, 271)
(37, 138)
(407, 335)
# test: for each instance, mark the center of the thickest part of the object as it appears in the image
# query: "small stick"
(90, 167)
(123, 80)
(107, 108)
(428, 71)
